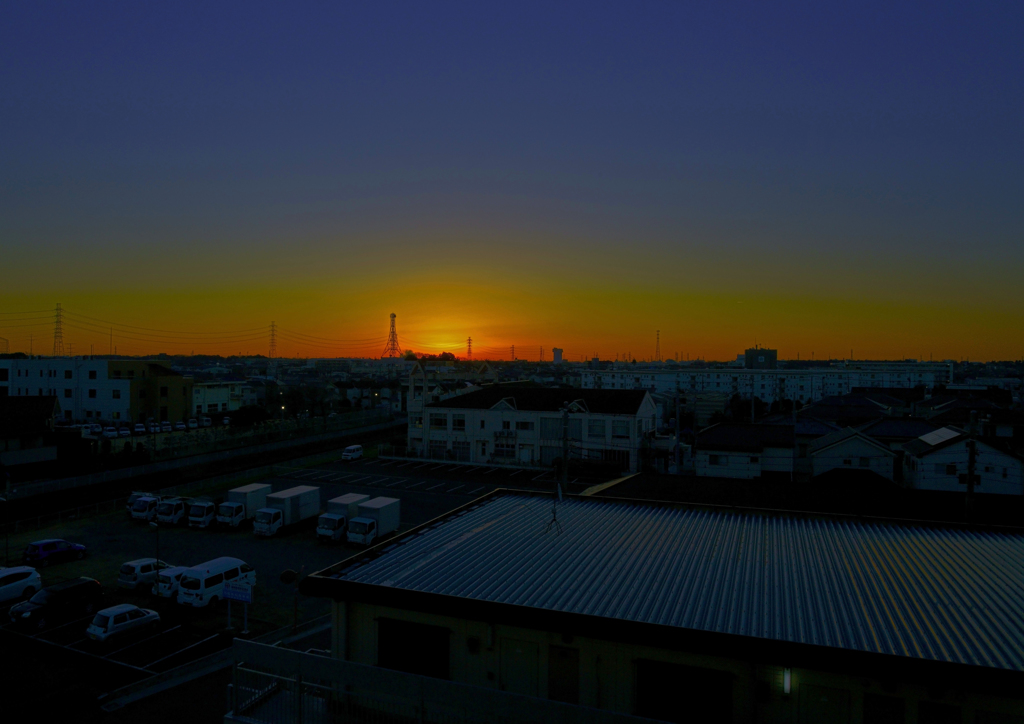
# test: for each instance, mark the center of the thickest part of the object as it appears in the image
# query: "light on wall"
(787, 680)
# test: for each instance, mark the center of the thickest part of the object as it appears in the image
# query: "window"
(802, 450)
(136, 614)
(215, 580)
(847, 462)
(620, 428)
(131, 373)
(438, 421)
(92, 374)
(506, 425)
(458, 422)
(88, 413)
(223, 407)
(117, 394)
(231, 574)
(551, 428)
(755, 459)
(67, 393)
(163, 392)
(199, 408)
(429, 657)
(67, 374)
(117, 373)
(865, 462)
(483, 424)
(460, 450)
(661, 687)
(595, 428)
(951, 470)
(116, 415)
(92, 394)
(718, 459)
(524, 426)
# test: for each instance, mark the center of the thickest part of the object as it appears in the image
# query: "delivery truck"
(201, 513)
(241, 504)
(287, 508)
(332, 525)
(377, 518)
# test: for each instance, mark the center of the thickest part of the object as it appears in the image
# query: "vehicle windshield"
(357, 527)
(190, 583)
(227, 509)
(140, 505)
(40, 598)
(101, 620)
(127, 569)
(197, 511)
(33, 547)
(264, 516)
(329, 523)
(165, 509)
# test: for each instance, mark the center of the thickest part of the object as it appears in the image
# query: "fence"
(278, 686)
(390, 452)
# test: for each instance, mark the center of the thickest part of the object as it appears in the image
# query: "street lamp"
(156, 526)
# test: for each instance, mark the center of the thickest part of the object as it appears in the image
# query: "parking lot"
(427, 490)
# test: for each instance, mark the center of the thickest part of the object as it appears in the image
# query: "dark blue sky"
(732, 139)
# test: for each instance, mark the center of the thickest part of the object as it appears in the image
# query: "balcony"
(279, 686)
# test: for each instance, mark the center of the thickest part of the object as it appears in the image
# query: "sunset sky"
(574, 174)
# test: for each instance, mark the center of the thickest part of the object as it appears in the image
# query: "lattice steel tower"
(469, 348)
(391, 349)
(273, 340)
(58, 333)
(657, 347)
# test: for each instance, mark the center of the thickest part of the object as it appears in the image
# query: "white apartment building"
(519, 425)
(771, 385)
(214, 397)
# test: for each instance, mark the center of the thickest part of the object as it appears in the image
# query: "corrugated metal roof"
(944, 594)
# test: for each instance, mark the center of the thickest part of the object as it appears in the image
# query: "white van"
(352, 452)
(203, 585)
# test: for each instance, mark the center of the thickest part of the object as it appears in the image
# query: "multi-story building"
(214, 397)
(91, 389)
(769, 385)
(673, 612)
(523, 425)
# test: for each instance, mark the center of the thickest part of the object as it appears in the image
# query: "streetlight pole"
(156, 526)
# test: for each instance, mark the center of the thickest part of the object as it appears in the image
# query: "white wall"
(991, 465)
(852, 450)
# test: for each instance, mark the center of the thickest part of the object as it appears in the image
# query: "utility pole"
(972, 456)
(678, 437)
(565, 444)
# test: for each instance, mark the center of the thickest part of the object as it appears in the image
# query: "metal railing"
(280, 686)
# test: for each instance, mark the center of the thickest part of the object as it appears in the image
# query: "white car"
(166, 427)
(124, 432)
(193, 424)
(226, 421)
(167, 582)
(140, 572)
(140, 429)
(118, 620)
(19, 582)
(109, 432)
(352, 452)
(153, 428)
(180, 426)
(95, 429)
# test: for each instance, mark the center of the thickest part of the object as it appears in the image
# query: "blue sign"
(238, 592)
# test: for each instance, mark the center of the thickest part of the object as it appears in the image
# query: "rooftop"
(548, 399)
(940, 594)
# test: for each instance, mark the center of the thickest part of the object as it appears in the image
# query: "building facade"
(215, 397)
(519, 425)
(100, 390)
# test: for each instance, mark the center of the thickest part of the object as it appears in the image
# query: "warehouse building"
(686, 613)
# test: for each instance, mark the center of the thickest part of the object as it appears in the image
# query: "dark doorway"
(676, 693)
(564, 674)
(415, 648)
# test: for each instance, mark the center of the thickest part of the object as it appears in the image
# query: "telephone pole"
(972, 458)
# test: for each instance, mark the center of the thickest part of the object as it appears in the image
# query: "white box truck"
(287, 508)
(377, 518)
(201, 513)
(332, 524)
(241, 504)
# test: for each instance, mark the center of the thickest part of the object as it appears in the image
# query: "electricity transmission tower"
(657, 346)
(391, 349)
(273, 340)
(469, 348)
(58, 333)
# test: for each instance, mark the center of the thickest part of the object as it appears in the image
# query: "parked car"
(153, 428)
(226, 421)
(52, 550)
(352, 452)
(124, 432)
(193, 424)
(110, 432)
(95, 429)
(203, 585)
(18, 582)
(166, 427)
(59, 603)
(140, 429)
(140, 572)
(205, 422)
(119, 620)
(167, 582)
(180, 426)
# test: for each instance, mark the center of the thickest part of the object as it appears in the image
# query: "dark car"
(59, 603)
(52, 550)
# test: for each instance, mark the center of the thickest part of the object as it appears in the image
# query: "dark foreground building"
(679, 613)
